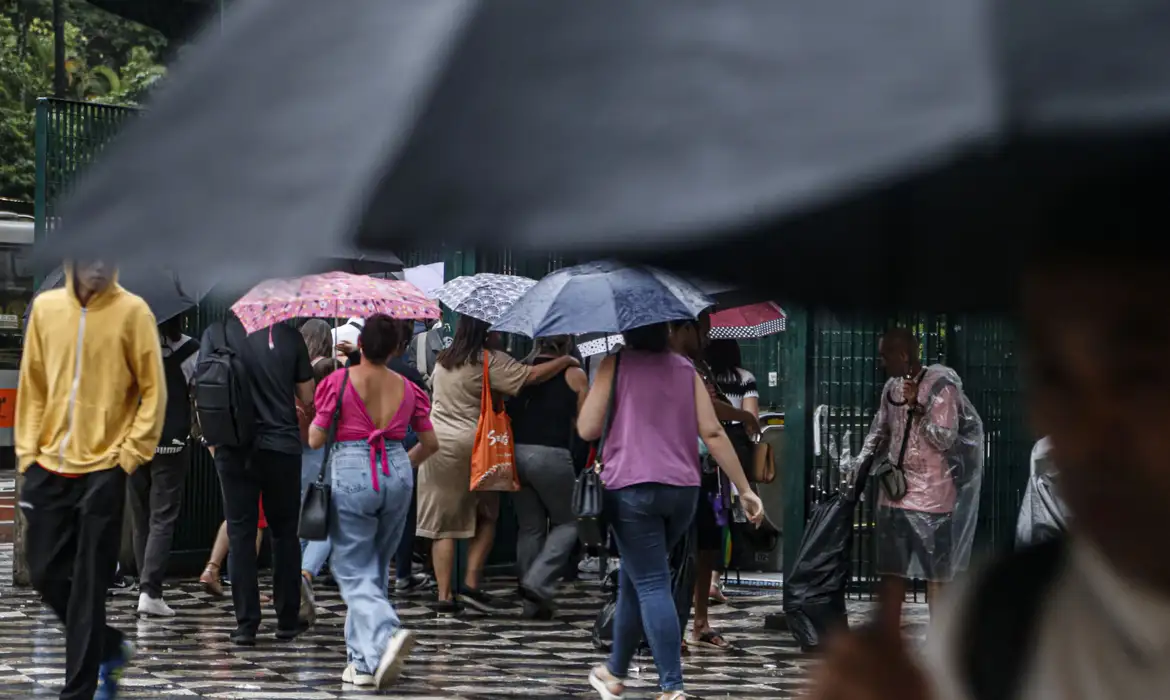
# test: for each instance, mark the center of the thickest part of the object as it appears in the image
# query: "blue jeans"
(313, 554)
(365, 527)
(648, 520)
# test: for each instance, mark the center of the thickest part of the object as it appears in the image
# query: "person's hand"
(752, 425)
(910, 392)
(753, 507)
(872, 663)
(345, 347)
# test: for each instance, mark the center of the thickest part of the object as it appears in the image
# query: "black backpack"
(223, 394)
(1000, 624)
(177, 422)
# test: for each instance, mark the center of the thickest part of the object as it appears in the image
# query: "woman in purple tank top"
(651, 476)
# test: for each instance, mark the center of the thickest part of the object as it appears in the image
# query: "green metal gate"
(838, 381)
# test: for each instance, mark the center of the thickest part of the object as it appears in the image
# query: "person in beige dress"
(447, 509)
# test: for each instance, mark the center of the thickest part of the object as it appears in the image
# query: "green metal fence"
(840, 386)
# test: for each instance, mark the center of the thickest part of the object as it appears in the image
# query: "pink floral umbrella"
(331, 295)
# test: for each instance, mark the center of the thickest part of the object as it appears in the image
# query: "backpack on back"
(177, 420)
(223, 395)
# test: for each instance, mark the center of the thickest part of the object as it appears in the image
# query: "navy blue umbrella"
(602, 297)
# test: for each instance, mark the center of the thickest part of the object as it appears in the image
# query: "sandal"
(607, 685)
(210, 580)
(716, 596)
(711, 639)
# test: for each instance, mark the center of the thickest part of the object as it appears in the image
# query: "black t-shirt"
(274, 373)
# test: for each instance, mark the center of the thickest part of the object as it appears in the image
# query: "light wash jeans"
(648, 520)
(313, 554)
(365, 527)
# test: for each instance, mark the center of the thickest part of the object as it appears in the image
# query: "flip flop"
(711, 639)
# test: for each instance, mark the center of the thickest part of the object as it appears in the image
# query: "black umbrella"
(161, 290)
(842, 151)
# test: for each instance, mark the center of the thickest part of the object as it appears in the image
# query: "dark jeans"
(74, 534)
(404, 557)
(243, 478)
(544, 508)
(156, 494)
(648, 520)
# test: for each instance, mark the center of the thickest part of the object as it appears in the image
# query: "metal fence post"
(795, 350)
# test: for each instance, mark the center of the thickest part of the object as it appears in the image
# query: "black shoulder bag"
(314, 522)
(589, 491)
(890, 474)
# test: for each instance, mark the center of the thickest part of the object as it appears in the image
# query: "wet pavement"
(474, 656)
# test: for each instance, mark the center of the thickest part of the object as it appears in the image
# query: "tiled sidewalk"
(473, 656)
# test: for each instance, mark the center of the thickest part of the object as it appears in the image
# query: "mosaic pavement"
(473, 657)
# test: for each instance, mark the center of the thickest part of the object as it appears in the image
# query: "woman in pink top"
(372, 478)
(651, 476)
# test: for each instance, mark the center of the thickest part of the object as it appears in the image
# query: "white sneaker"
(351, 676)
(390, 667)
(155, 607)
(589, 565)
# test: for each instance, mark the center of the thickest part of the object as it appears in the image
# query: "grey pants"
(155, 495)
(548, 530)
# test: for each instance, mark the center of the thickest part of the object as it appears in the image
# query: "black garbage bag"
(814, 595)
(682, 586)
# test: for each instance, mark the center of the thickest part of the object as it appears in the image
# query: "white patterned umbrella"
(484, 296)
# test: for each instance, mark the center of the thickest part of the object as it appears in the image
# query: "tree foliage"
(107, 59)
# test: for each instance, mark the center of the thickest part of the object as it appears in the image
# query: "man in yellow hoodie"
(89, 410)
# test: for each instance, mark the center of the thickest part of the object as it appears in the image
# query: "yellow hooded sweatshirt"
(91, 394)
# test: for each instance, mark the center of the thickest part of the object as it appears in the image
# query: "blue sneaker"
(110, 673)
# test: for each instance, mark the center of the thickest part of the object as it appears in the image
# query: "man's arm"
(31, 394)
(145, 361)
(879, 431)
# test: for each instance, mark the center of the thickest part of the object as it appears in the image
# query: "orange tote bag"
(493, 462)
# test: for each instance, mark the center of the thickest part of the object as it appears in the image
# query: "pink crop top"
(356, 424)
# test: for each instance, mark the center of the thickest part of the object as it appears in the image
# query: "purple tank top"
(654, 434)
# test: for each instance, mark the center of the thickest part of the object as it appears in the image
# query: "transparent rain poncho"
(928, 533)
(1043, 514)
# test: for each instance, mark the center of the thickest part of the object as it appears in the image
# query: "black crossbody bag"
(589, 491)
(314, 522)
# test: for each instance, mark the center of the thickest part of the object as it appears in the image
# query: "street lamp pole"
(59, 86)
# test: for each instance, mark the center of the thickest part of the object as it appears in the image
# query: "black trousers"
(74, 534)
(243, 478)
(156, 494)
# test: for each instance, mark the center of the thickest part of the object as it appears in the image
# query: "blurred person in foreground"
(927, 533)
(372, 480)
(156, 489)
(1087, 615)
(448, 510)
(652, 476)
(89, 411)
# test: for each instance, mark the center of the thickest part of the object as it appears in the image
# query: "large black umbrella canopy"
(839, 152)
(160, 289)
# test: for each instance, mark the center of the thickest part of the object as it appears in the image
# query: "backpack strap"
(1000, 625)
(184, 351)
